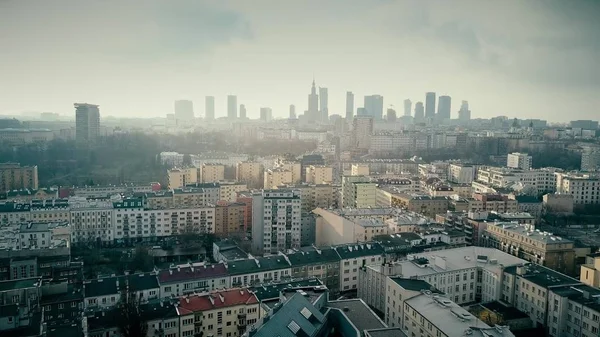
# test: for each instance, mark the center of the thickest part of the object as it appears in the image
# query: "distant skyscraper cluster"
(87, 123)
(430, 105)
(444, 107)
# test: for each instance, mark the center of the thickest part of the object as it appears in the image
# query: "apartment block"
(276, 221)
(359, 170)
(488, 202)
(358, 192)
(212, 173)
(294, 167)
(180, 177)
(422, 204)
(461, 173)
(319, 174)
(228, 191)
(250, 173)
(187, 279)
(341, 226)
(277, 177)
(229, 219)
(519, 161)
(13, 176)
(585, 188)
(533, 245)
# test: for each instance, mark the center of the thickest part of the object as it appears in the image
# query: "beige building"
(358, 192)
(220, 313)
(13, 176)
(585, 188)
(533, 245)
(315, 196)
(359, 170)
(250, 173)
(333, 227)
(228, 190)
(590, 272)
(212, 173)
(319, 174)
(481, 202)
(294, 167)
(189, 197)
(277, 177)
(422, 204)
(178, 178)
(229, 219)
(558, 203)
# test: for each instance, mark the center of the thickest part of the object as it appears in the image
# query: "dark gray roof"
(115, 284)
(265, 292)
(386, 332)
(296, 314)
(543, 276)
(359, 313)
(356, 250)
(412, 284)
(321, 256)
(259, 264)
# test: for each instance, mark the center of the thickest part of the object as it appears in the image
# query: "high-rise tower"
(232, 107)
(209, 107)
(444, 108)
(349, 105)
(419, 112)
(313, 104)
(323, 105)
(242, 111)
(87, 123)
(464, 114)
(292, 111)
(407, 107)
(430, 105)
(374, 106)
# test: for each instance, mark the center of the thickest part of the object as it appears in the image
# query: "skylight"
(294, 327)
(306, 313)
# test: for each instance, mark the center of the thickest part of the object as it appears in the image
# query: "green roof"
(352, 251)
(19, 284)
(258, 264)
(304, 258)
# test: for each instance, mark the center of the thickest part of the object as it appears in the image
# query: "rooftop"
(359, 313)
(385, 332)
(531, 233)
(114, 284)
(179, 274)
(270, 291)
(216, 299)
(315, 256)
(412, 284)
(255, 265)
(429, 263)
(541, 276)
(369, 222)
(582, 294)
(20, 284)
(352, 251)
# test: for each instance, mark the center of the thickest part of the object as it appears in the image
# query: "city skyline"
(157, 58)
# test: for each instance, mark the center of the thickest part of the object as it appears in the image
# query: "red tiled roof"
(220, 299)
(186, 273)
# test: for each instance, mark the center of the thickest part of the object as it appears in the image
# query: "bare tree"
(131, 322)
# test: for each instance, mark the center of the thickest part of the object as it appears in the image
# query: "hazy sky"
(534, 58)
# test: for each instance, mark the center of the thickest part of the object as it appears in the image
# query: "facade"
(319, 174)
(212, 173)
(276, 221)
(277, 177)
(187, 279)
(324, 264)
(358, 192)
(528, 243)
(334, 227)
(349, 106)
(13, 176)
(229, 219)
(259, 270)
(422, 204)
(229, 191)
(482, 202)
(518, 161)
(250, 173)
(444, 108)
(178, 178)
(87, 123)
(353, 257)
(359, 170)
(362, 131)
(583, 187)
(461, 173)
(558, 203)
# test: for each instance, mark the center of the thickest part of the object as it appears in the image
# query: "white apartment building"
(187, 279)
(92, 223)
(276, 221)
(461, 173)
(543, 180)
(585, 188)
(519, 161)
(354, 257)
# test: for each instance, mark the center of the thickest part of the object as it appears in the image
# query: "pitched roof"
(317, 256)
(115, 284)
(271, 291)
(258, 264)
(217, 299)
(351, 251)
(180, 274)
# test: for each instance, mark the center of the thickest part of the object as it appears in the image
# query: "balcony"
(241, 315)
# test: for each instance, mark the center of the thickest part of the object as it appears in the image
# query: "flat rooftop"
(542, 276)
(457, 259)
(533, 234)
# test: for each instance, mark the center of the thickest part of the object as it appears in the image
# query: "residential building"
(362, 131)
(336, 227)
(558, 203)
(257, 270)
(518, 161)
(319, 174)
(220, 313)
(189, 278)
(528, 243)
(292, 166)
(228, 191)
(359, 170)
(358, 192)
(462, 173)
(277, 177)
(87, 123)
(212, 173)
(229, 219)
(492, 202)
(354, 256)
(276, 220)
(320, 263)
(13, 176)
(543, 180)
(178, 178)
(106, 292)
(422, 204)
(585, 188)
(250, 173)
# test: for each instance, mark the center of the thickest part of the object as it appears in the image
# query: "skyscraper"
(419, 112)
(349, 105)
(430, 105)
(242, 111)
(407, 107)
(87, 123)
(391, 115)
(313, 104)
(362, 130)
(444, 108)
(323, 105)
(374, 106)
(292, 111)
(209, 108)
(232, 107)
(184, 110)
(266, 114)
(464, 114)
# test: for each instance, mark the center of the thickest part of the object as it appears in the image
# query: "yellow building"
(294, 167)
(212, 173)
(228, 190)
(250, 173)
(359, 170)
(13, 176)
(178, 178)
(590, 272)
(277, 177)
(319, 174)
(229, 219)
(315, 196)
(422, 204)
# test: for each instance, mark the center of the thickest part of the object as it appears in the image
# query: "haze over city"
(511, 58)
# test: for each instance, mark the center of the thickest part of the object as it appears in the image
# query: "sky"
(526, 59)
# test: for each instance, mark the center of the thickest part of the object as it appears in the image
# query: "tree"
(141, 260)
(130, 320)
